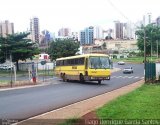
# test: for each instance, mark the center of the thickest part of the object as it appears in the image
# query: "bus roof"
(79, 56)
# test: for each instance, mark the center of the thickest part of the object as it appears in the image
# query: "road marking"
(113, 76)
(129, 77)
(119, 77)
(136, 77)
(125, 77)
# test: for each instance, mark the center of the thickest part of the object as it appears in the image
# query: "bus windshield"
(99, 62)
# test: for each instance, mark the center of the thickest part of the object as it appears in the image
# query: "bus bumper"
(91, 78)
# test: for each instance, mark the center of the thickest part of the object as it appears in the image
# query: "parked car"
(128, 70)
(6, 67)
(121, 63)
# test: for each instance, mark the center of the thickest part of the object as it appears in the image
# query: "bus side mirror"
(110, 64)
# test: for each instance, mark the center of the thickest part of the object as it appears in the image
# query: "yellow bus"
(87, 67)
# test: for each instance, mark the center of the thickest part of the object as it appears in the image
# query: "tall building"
(34, 29)
(147, 19)
(129, 31)
(118, 30)
(74, 35)
(124, 30)
(45, 38)
(64, 32)
(87, 36)
(158, 21)
(98, 32)
(6, 28)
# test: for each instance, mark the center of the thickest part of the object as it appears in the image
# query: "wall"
(25, 66)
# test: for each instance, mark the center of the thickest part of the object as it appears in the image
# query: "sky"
(75, 14)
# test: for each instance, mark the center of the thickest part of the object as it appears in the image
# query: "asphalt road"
(28, 102)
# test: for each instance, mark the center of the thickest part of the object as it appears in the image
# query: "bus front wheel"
(108, 78)
(64, 78)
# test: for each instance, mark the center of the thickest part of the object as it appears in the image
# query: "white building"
(129, 45)
(98, 32)
(129, 30)
(64, 32)
(147, 19)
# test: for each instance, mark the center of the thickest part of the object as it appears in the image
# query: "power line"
(120, 12)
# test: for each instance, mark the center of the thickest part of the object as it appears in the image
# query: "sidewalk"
(27, 84)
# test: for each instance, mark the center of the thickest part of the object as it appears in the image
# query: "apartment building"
(87, 36)
(6, 28)
(34, 29)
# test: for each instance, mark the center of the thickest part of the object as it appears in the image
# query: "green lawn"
(25, 73)
(135, 59)
(142, 103)
(72, 121)
(2, 82)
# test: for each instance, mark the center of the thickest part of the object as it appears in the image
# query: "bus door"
(86, 67)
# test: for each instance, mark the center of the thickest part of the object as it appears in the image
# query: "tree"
(132, 53)
(108, 38)
(62, 48)
(17, 46)
(115, 52)
(104, 45)
(152, 35)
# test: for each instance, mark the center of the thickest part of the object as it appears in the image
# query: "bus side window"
(61, 63)
(81, 61)
(68, 62)
(65, 62)
(57, 63)
(76, 61)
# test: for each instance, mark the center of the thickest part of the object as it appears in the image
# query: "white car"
(121, 63)
(6, 67)
(128, 70)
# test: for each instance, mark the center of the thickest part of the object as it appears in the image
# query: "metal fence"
(30, 73)
(150, 72)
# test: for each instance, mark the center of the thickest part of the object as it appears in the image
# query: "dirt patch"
(17, 84)
(88, 119)
(90, 115)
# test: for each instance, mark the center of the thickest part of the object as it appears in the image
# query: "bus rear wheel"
(99, 81)
(81, 77)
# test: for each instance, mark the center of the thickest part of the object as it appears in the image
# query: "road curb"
(81, 108)
(39, 83)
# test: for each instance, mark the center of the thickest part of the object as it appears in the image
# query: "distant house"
(43, 56)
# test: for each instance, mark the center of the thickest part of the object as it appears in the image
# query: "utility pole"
(157, 48)
(144, 54)
(151, 43)
(11, 69)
